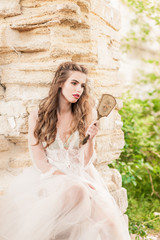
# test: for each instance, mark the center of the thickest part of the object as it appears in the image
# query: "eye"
(83, 86)
(74, 83)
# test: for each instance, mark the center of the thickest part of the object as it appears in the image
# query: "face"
(74, 86)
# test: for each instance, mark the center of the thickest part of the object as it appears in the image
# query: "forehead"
(76, 75)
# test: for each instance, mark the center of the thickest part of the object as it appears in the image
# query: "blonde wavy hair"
(46, 126)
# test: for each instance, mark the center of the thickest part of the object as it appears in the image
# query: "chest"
(63, 127)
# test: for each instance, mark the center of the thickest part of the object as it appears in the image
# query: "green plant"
(139, 162)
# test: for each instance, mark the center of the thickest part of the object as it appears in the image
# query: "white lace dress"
(41, 206)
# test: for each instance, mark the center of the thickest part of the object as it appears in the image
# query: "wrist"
(90, 141)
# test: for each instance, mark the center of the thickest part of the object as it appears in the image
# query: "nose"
(79, 88)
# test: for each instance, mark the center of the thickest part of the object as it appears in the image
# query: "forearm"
(88, 152)
(44, 166)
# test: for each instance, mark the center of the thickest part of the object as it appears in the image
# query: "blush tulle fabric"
(39, 206)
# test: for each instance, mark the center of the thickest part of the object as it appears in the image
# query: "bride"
(62, 196)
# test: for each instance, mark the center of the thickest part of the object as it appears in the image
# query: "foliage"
(145, 21)
(140, 157)
(139, 161)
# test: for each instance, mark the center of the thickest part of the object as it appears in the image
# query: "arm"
(88, 151)
(37, 152)
(89, 148)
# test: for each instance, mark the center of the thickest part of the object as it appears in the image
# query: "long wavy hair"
(46, 126)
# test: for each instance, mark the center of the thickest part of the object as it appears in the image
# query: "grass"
(142, 219)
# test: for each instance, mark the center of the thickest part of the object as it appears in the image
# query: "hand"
(57, 172)
(93, 130)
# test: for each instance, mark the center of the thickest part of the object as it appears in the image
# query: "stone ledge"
(50, 15)
(107, 157)
(10, 8)
(25, 93)
(25, 42)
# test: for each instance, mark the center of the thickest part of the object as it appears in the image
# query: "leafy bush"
(139, 162)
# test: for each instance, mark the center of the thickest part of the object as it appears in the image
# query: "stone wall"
(37, 35)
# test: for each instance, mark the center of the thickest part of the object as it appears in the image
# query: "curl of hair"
(46, 126)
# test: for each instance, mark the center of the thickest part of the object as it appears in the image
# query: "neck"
(64, 105)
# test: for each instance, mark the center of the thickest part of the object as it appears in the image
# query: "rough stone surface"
(10, 8)
(119, 196)
(35, 37)
(4, 146)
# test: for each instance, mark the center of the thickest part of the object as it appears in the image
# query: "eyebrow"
(77, 81)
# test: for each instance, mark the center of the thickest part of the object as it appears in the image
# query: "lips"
(76, 96)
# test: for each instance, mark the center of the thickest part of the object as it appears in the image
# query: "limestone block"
(107, 156)
(21, 125)
(3, 44)
(11, 127)
(107, 122)
(110, 15)
(104, 78)
(20, 161)
(120, 197)
(4, 146)
(5, 127)
(116, 177)
(79, 44)
(109, 143)
(111, 177)
(25, 93)
(19, 138)
(63, 49)
(12, 123)
(117, 140)
(24, 41)
(8, 57)
(22, 76)
(9, 8)
(18, 154)
(49, 15)
(12, 108)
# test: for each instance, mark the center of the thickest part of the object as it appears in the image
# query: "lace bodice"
(70, 160)
(56, 156)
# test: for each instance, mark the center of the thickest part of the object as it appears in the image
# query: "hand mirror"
(106, 104)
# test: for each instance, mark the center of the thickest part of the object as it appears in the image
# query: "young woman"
(62, 196)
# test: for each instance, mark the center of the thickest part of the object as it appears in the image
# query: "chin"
(74, 101)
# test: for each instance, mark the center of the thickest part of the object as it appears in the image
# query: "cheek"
(68, 90)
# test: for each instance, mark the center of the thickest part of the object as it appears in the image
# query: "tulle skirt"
(59, 207)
